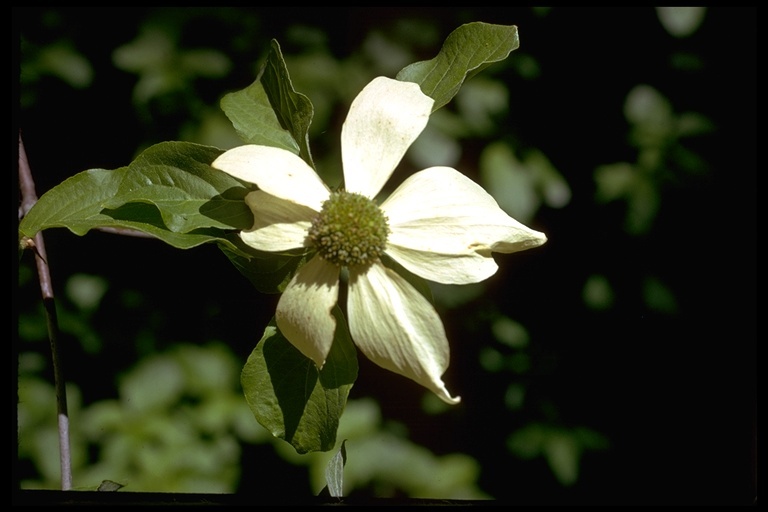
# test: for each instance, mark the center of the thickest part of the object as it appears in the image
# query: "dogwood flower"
(438, 224)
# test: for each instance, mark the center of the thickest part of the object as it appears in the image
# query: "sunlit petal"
(467, 268)
(304, 311)
(397, 328)
(278, 225)
(382, 123)
(445, 227)
(275, 171)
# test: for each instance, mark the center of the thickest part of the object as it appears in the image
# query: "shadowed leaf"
(467, 50)
(290, 397)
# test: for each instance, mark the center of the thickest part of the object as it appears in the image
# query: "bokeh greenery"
(613, 365)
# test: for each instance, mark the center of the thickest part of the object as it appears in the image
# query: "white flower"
(438, 224)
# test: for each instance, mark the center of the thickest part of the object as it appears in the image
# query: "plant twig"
(28, 199)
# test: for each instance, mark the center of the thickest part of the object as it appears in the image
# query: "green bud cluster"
(349, 230)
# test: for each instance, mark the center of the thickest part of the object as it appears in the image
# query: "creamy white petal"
(304, 310)
(382, 123)
(445, 268)
(397, 328)
(278, 225)
(444, 227)
(275, 171)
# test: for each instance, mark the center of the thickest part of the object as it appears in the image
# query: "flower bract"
(438, 224)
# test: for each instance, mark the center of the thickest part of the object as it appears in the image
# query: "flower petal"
(444, 228)
(275, 171)
(382, 123)
(304, 310)
(278, 225)
(397, 328)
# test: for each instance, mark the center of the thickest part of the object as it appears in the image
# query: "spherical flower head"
(438, 224)
(350, 230)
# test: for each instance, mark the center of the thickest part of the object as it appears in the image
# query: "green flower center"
(349, 230)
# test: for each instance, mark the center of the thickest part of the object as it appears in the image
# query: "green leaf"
(75, 204)
(269, 272)
(294, 110)
(468, 50)
(254, 120)
(169, 191)
(109, 486)
(290, 397)
(137, 216)
(178, 179)
(270, 112)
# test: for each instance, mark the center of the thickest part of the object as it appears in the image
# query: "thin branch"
(28, 199)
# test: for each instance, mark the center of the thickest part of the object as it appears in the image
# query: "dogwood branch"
(28, 199)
